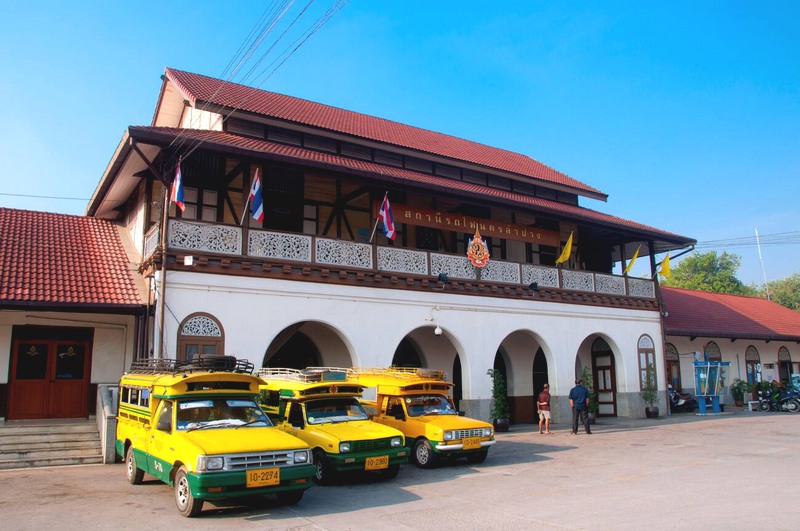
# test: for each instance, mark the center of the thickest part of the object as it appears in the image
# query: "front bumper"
(219, 485)
(357, 460)
(460, 447)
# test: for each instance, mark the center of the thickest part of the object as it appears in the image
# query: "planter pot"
(500, 424)
(651, 412)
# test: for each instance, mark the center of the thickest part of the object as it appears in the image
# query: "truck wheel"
(187, 504)
(477, 457)
(134, 473)
(324, 474)
(290, 497)
(424, 456)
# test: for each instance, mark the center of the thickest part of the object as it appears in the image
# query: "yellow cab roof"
(401, 380)
(313, 381)
(173, 377)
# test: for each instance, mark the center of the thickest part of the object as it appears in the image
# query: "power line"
(46, 197)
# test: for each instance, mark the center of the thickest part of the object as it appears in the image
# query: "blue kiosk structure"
(709, 378)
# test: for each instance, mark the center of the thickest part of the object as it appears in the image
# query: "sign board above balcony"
(461, 223)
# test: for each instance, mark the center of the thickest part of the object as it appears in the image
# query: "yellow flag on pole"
(665, 270)
(566, 251)
(633, 259)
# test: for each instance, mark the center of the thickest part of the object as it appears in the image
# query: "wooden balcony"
(230, 249)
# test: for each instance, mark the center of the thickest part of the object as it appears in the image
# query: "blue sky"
(686, 113)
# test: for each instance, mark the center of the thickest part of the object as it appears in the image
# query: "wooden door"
(605, 383)
(49, 379)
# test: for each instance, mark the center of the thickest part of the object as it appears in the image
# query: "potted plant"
(588, 383)
(500, 411)
(650, 392)
(738, 388)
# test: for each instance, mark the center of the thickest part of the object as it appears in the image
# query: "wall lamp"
(533, 286)
(442, 277)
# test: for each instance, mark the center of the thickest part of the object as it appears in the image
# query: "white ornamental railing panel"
(609, 284)
(296, 247)
(501, 272)
(577, 280)
(402, 260)
(335, 252)
(452, 266)
(205, 237)
(639, 287)
(543, 276)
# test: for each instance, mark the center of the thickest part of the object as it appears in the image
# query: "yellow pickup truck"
(320, 406)
(198, 427)
(417, 402)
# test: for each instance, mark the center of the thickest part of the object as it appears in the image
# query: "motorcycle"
(779, 399)
(679, 402)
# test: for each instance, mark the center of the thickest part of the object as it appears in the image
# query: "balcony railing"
(227, 239)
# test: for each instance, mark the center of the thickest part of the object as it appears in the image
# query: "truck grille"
(476, 432)
(367, 446)
(246, 461)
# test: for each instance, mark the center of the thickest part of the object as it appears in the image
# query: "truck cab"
(417, 402)
(320, 405)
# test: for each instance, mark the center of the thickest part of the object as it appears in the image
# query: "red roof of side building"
(51, 259)
(701, 313)
(201, 89)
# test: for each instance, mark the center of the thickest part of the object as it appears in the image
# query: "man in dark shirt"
(579, 400)
(543, 404)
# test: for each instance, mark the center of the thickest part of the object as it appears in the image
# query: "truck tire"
(134, 473)
(423, 454)
(187, 504)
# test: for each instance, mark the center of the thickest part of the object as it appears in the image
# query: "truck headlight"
(344, 447)
(302, 456)
(449, 435)
(396, 441)
(487, 432)
(205, 462)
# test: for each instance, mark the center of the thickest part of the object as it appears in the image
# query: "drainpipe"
(163, 279)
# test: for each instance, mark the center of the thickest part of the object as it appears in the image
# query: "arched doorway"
(406, 355)
(540, 376)
(751, 361)
(673, 367)
(500, 366)
(308, 344)
(298, 352)
(784, 365)
(604, 378)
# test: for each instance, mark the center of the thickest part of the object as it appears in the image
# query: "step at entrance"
(26, 444)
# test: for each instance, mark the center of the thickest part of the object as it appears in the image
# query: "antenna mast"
(763, 271)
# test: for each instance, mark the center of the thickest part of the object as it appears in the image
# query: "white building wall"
(371, 323)
(112, 348)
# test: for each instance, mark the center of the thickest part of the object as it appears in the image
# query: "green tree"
(709, 272)
(785, 292)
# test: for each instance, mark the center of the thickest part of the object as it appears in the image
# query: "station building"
(313, 283)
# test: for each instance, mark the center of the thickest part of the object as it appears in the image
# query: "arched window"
(751, 360)
(673, 367)
(647, 357)
(784, 365)
(712, 351)
(200, 333)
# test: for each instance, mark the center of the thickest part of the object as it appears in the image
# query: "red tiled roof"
(253, 146)
(60, 259)
(700, 313)
(200, 89)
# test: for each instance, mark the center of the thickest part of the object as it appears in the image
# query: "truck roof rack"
(200, 363)
(405, 373)
(307, 375)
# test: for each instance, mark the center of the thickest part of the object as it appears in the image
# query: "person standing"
(579, 400)
(543, 404)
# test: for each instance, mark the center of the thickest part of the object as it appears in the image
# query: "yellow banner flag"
(633, 259)
(665, 270)
(566, 251)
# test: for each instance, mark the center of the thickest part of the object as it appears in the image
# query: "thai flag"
(176, 195)
(385, 215)
(256, 201)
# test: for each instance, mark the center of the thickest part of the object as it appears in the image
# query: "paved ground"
(732, 471)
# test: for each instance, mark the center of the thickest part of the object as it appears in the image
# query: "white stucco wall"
(371, 322)
(112, 346)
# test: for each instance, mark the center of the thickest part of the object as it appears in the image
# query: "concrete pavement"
(732, 471)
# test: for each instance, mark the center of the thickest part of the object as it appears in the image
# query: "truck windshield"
(420, 405)
(342, 409)
(219, 413)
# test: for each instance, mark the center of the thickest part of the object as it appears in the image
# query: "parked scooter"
(779, 398)
(679, 402)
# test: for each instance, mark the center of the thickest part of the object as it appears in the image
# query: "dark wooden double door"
(49, 379)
